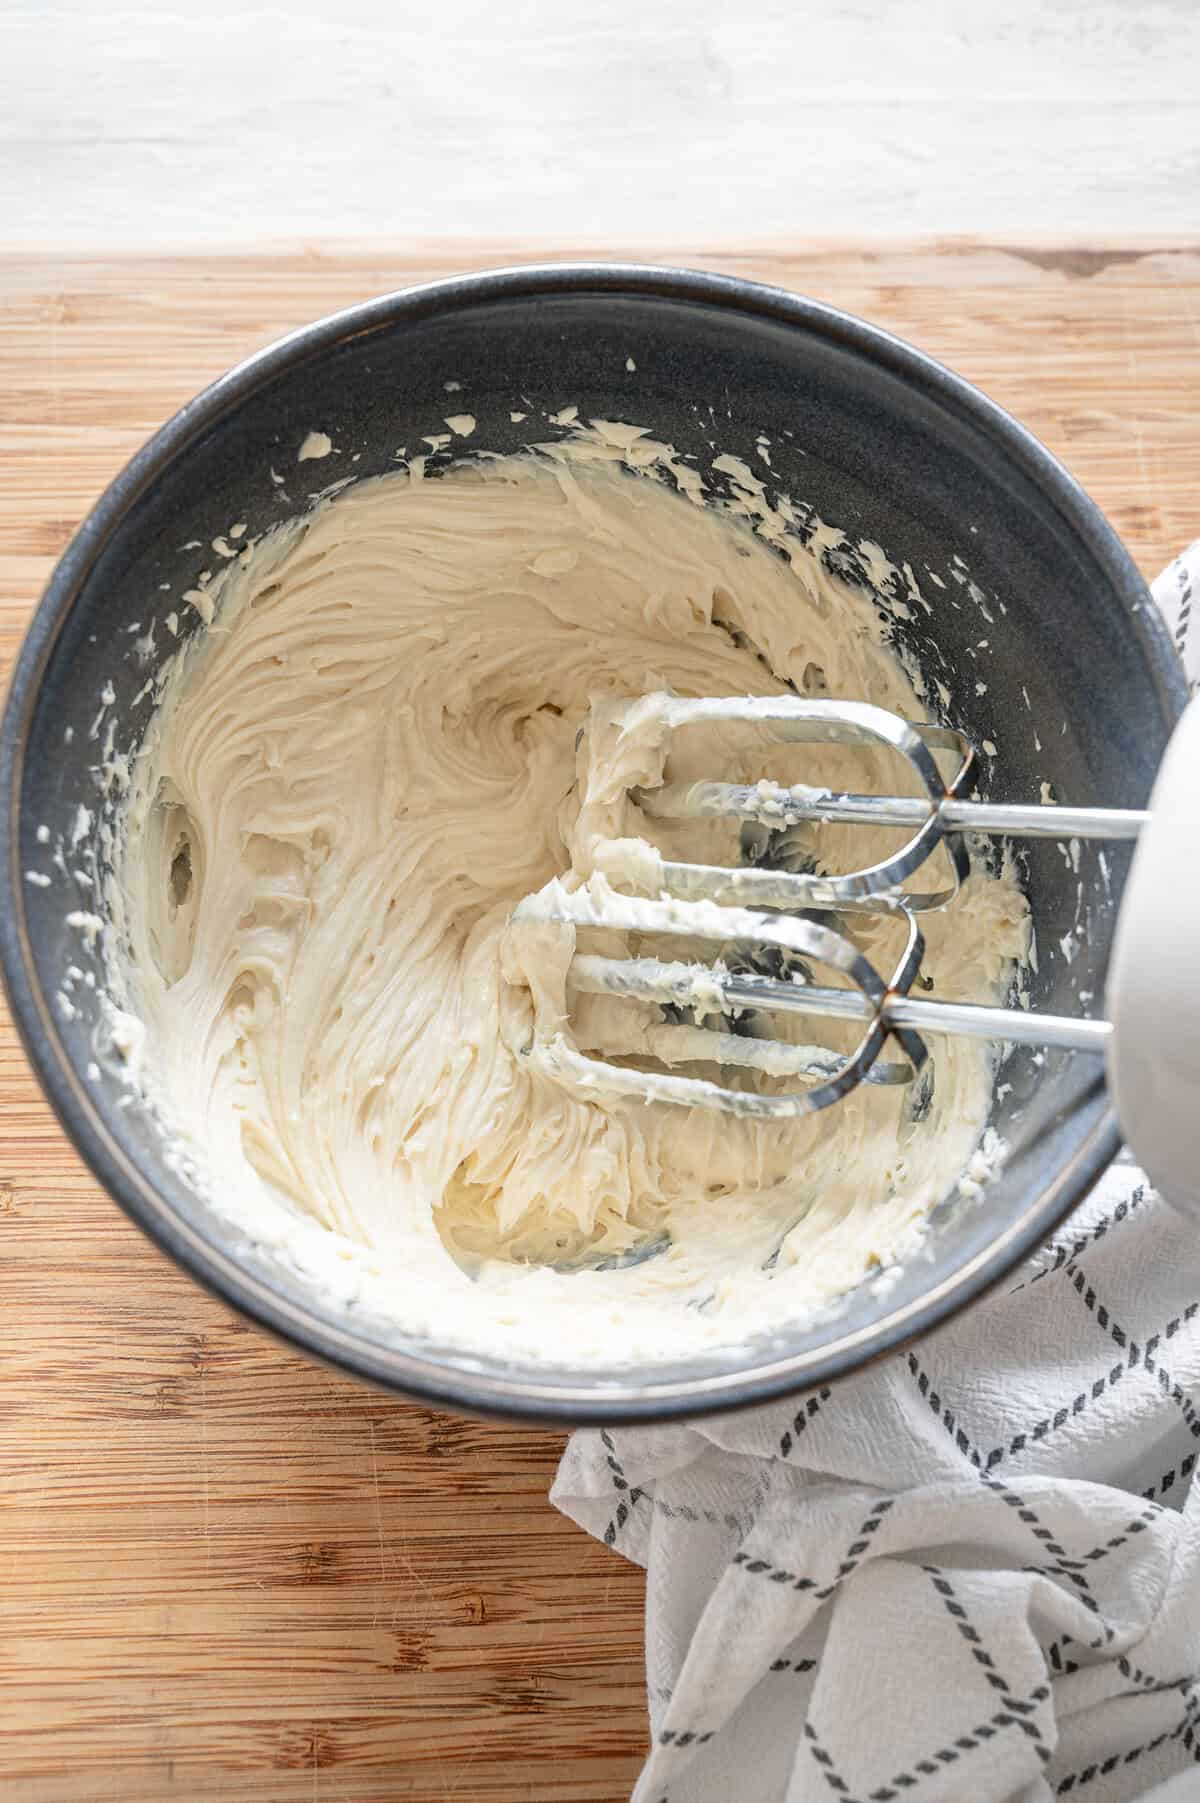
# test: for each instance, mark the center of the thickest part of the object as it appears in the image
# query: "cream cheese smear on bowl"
(394, 723)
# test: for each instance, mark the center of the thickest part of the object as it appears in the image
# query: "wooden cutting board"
(226, 1572)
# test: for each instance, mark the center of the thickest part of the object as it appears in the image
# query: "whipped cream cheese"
(371, 753)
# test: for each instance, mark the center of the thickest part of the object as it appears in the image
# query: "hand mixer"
(1150, 1037)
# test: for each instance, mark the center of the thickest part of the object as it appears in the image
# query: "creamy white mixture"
(359, 768)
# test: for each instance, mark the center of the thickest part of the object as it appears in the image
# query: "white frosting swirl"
(355, 773)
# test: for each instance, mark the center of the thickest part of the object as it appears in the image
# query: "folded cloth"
(967, 1574)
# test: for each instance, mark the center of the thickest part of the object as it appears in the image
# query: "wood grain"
(226, 1572)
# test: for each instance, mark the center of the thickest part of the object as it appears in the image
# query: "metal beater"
(773, 912)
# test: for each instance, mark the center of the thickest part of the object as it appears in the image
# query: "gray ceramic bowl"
(882, 442)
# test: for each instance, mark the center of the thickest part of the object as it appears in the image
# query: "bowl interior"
(1039, 630)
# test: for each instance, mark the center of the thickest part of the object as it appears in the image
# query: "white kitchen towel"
(971, 1573)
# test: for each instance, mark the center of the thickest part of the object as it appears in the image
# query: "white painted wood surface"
(143, 121)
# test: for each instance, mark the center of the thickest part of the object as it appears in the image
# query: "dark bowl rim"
(491, 1391)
